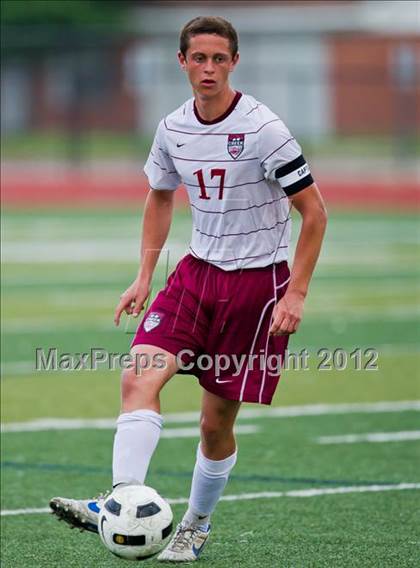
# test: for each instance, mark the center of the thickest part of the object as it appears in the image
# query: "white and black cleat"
(80, 514)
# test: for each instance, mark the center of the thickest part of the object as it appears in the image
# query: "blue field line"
(91, 469)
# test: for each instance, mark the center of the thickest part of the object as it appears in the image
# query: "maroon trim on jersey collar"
(222, 116)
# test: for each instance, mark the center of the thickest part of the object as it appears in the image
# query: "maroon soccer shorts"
(216, 322)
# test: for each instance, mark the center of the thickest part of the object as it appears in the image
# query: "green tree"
(75, 13)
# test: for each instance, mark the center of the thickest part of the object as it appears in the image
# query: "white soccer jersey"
(239, 170)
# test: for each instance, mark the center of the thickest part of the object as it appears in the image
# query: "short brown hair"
(208, 25)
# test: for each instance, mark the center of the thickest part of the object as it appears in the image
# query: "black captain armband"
(294, 176)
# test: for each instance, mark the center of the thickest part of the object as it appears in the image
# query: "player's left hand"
(287, 314)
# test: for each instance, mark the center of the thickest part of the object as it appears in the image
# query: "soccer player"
(233, 294)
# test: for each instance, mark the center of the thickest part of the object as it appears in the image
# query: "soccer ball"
(135, 522)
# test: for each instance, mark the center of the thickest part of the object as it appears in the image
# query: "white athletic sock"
(135, 441)
(208, 482)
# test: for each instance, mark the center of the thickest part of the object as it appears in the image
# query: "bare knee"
(217, 436)
(142, 383)
(139, 391)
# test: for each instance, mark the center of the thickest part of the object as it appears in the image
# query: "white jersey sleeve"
(159, 168)
(282, 159)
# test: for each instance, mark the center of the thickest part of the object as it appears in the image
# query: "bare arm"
(157, 219)
(288, 312)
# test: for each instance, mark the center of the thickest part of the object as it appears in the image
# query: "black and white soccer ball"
(135, 522)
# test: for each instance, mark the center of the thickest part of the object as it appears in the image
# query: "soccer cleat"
(186, 544)
(80, 514)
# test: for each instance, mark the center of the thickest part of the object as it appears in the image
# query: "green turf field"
(97, 145)
(62, 274)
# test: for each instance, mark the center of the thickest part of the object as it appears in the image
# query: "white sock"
(135, 441)
(208, 482)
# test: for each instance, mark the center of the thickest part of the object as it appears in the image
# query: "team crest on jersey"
(152, 321)
(235, 145)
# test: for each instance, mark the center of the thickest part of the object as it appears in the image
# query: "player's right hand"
(132, 301)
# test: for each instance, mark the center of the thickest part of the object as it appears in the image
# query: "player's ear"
(182, 60)
(234, 61)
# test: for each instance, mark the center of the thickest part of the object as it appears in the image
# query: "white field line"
(82, 250)
(370, 437)
(18, 368)
(265, 495)
(54, 326)
(43, 424)
(402, 271)
(124, 249)
(342, 256)
(195, 432)
(12, 512)
(108, 424)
